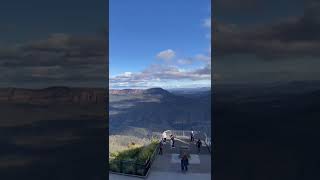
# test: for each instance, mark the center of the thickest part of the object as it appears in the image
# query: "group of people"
(198, 143)
(184, 158)
(163, 141)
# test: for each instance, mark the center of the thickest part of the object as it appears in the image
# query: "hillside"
(156, 109)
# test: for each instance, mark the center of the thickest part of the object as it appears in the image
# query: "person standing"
(161, 147)
(172, 139)
(164, 136)
(199, 143)
(191, 136)
(184, 162)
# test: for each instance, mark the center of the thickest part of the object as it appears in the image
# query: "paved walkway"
(167, 166)
(170, 161)
(165, 176)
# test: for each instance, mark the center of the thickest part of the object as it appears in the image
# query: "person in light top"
(164, 137)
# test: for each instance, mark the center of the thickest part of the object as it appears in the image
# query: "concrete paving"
(165, 176)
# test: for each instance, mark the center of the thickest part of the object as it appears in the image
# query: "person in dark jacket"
(184, 162)
(172, 139)
(199, 143)
(161, 147)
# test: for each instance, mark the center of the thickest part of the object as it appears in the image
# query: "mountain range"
(53, 95)
(157, 109)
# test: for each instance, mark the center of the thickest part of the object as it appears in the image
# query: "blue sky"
(159, 43)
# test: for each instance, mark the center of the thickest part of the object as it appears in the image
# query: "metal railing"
(203, 136)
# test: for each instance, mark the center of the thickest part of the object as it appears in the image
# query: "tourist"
(191, 136)
(161, 147)
(184, 162)
(164, 136)
(199, 143)
(172, 139)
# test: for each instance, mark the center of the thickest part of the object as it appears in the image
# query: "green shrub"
(136, 155)
(113, 166)
(129, 169)
(146, 152)
(126, 155)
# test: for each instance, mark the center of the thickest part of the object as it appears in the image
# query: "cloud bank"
(158, 74)
(292, 37)
(58, 59)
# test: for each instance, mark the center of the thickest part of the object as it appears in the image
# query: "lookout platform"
(167, 165)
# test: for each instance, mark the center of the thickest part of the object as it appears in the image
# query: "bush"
(146, 152)
(135, 155)
(130, 154)
(129, 169)
(113, 166)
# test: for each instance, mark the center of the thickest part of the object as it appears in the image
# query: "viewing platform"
(167, 165)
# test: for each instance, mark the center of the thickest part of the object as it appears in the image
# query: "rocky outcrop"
(57, 95)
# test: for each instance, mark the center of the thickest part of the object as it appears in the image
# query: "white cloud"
(127, 74)
(161, 74)
(166, 54)
(168, 72)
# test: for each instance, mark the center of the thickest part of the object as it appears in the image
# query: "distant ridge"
(156, 109)
(156, 91)
(55, 94)
(151, 91)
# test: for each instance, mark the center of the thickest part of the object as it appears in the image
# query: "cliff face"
(56, 95)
